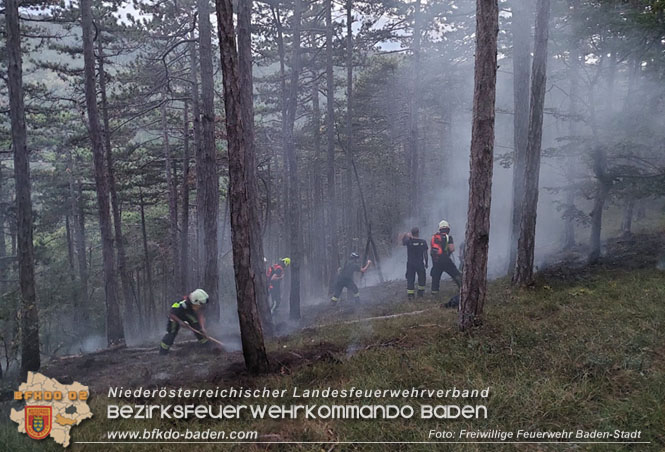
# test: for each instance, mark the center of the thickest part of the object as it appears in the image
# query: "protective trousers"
(275, 291)
(340, 284)
(411, 272)
(172, 328)
(441, 265)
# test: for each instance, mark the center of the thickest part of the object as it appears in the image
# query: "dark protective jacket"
(416, 251)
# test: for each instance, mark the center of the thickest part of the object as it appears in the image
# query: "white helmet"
(443, 224)
(199, 296)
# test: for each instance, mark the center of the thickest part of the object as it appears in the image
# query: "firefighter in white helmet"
(187, 313)
(442, 247)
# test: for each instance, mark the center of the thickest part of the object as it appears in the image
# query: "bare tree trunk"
(183, 276)
(413, 109)
(523, 274)
(330, 134)
(318, 252)
(242, 186)
(247, 110)
(3, 242)
(208, 201)
(173, 209)
(603, 185)
(150, 302)
(521, 74)
(114, 330)
(348, 175)
(80, 237)
(627, 221)
(127, 286)
(295, 227)
(474, 278)
(196, 126)
(569, 228)
(30, 359)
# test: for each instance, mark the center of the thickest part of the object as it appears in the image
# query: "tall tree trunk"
(330, 138)
(173, 209)
(603, 185)
(242, 186)
(348, 174)
(70, 247)
(318, 252)
(198, 156)
(3, 242)
(208, 201)
(81, 247)
(30, 359)
(627, 221)
(295, 227)
(474, 278)
(283, 188)
(521, 73)
(150, 302)
(183, 276)
(569, 227)
(126, 282)
(523, 274)
(247, 110)
(413, 109)
(114, 330)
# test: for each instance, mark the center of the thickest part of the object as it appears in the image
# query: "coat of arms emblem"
(38, 421)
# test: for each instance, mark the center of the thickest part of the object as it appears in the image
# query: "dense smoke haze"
(351, 131)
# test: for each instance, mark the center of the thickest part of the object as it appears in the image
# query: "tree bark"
(603, 185)
(125, 279)
(627, 221)
(474, 278)
(148, 266)
(114, 329)
(3, 242)
(413, 109)
(523, 274)
(208, 201)
(295, 227)
(30, 359)
(348, 173)
(173, 209)
(183, 276)
(247, 110)
(198, 156)
(569, 227)
(330, 137)
(521, 74)
(318, 252)
(242, 187)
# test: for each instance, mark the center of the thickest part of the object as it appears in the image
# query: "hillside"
(583, 349)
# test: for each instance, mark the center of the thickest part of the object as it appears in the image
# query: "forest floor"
(188, 361)
(583, 348)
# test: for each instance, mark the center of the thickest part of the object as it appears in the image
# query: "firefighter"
(345, 278)
(442, 247)
(416, 262)
(186, 313)
(275, 275)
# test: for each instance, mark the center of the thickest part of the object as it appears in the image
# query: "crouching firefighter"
(416, 262)
(275, 275)
(186, 313)
(442, 248)
(345, 278)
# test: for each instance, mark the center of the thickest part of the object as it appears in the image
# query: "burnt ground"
(188, 361)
